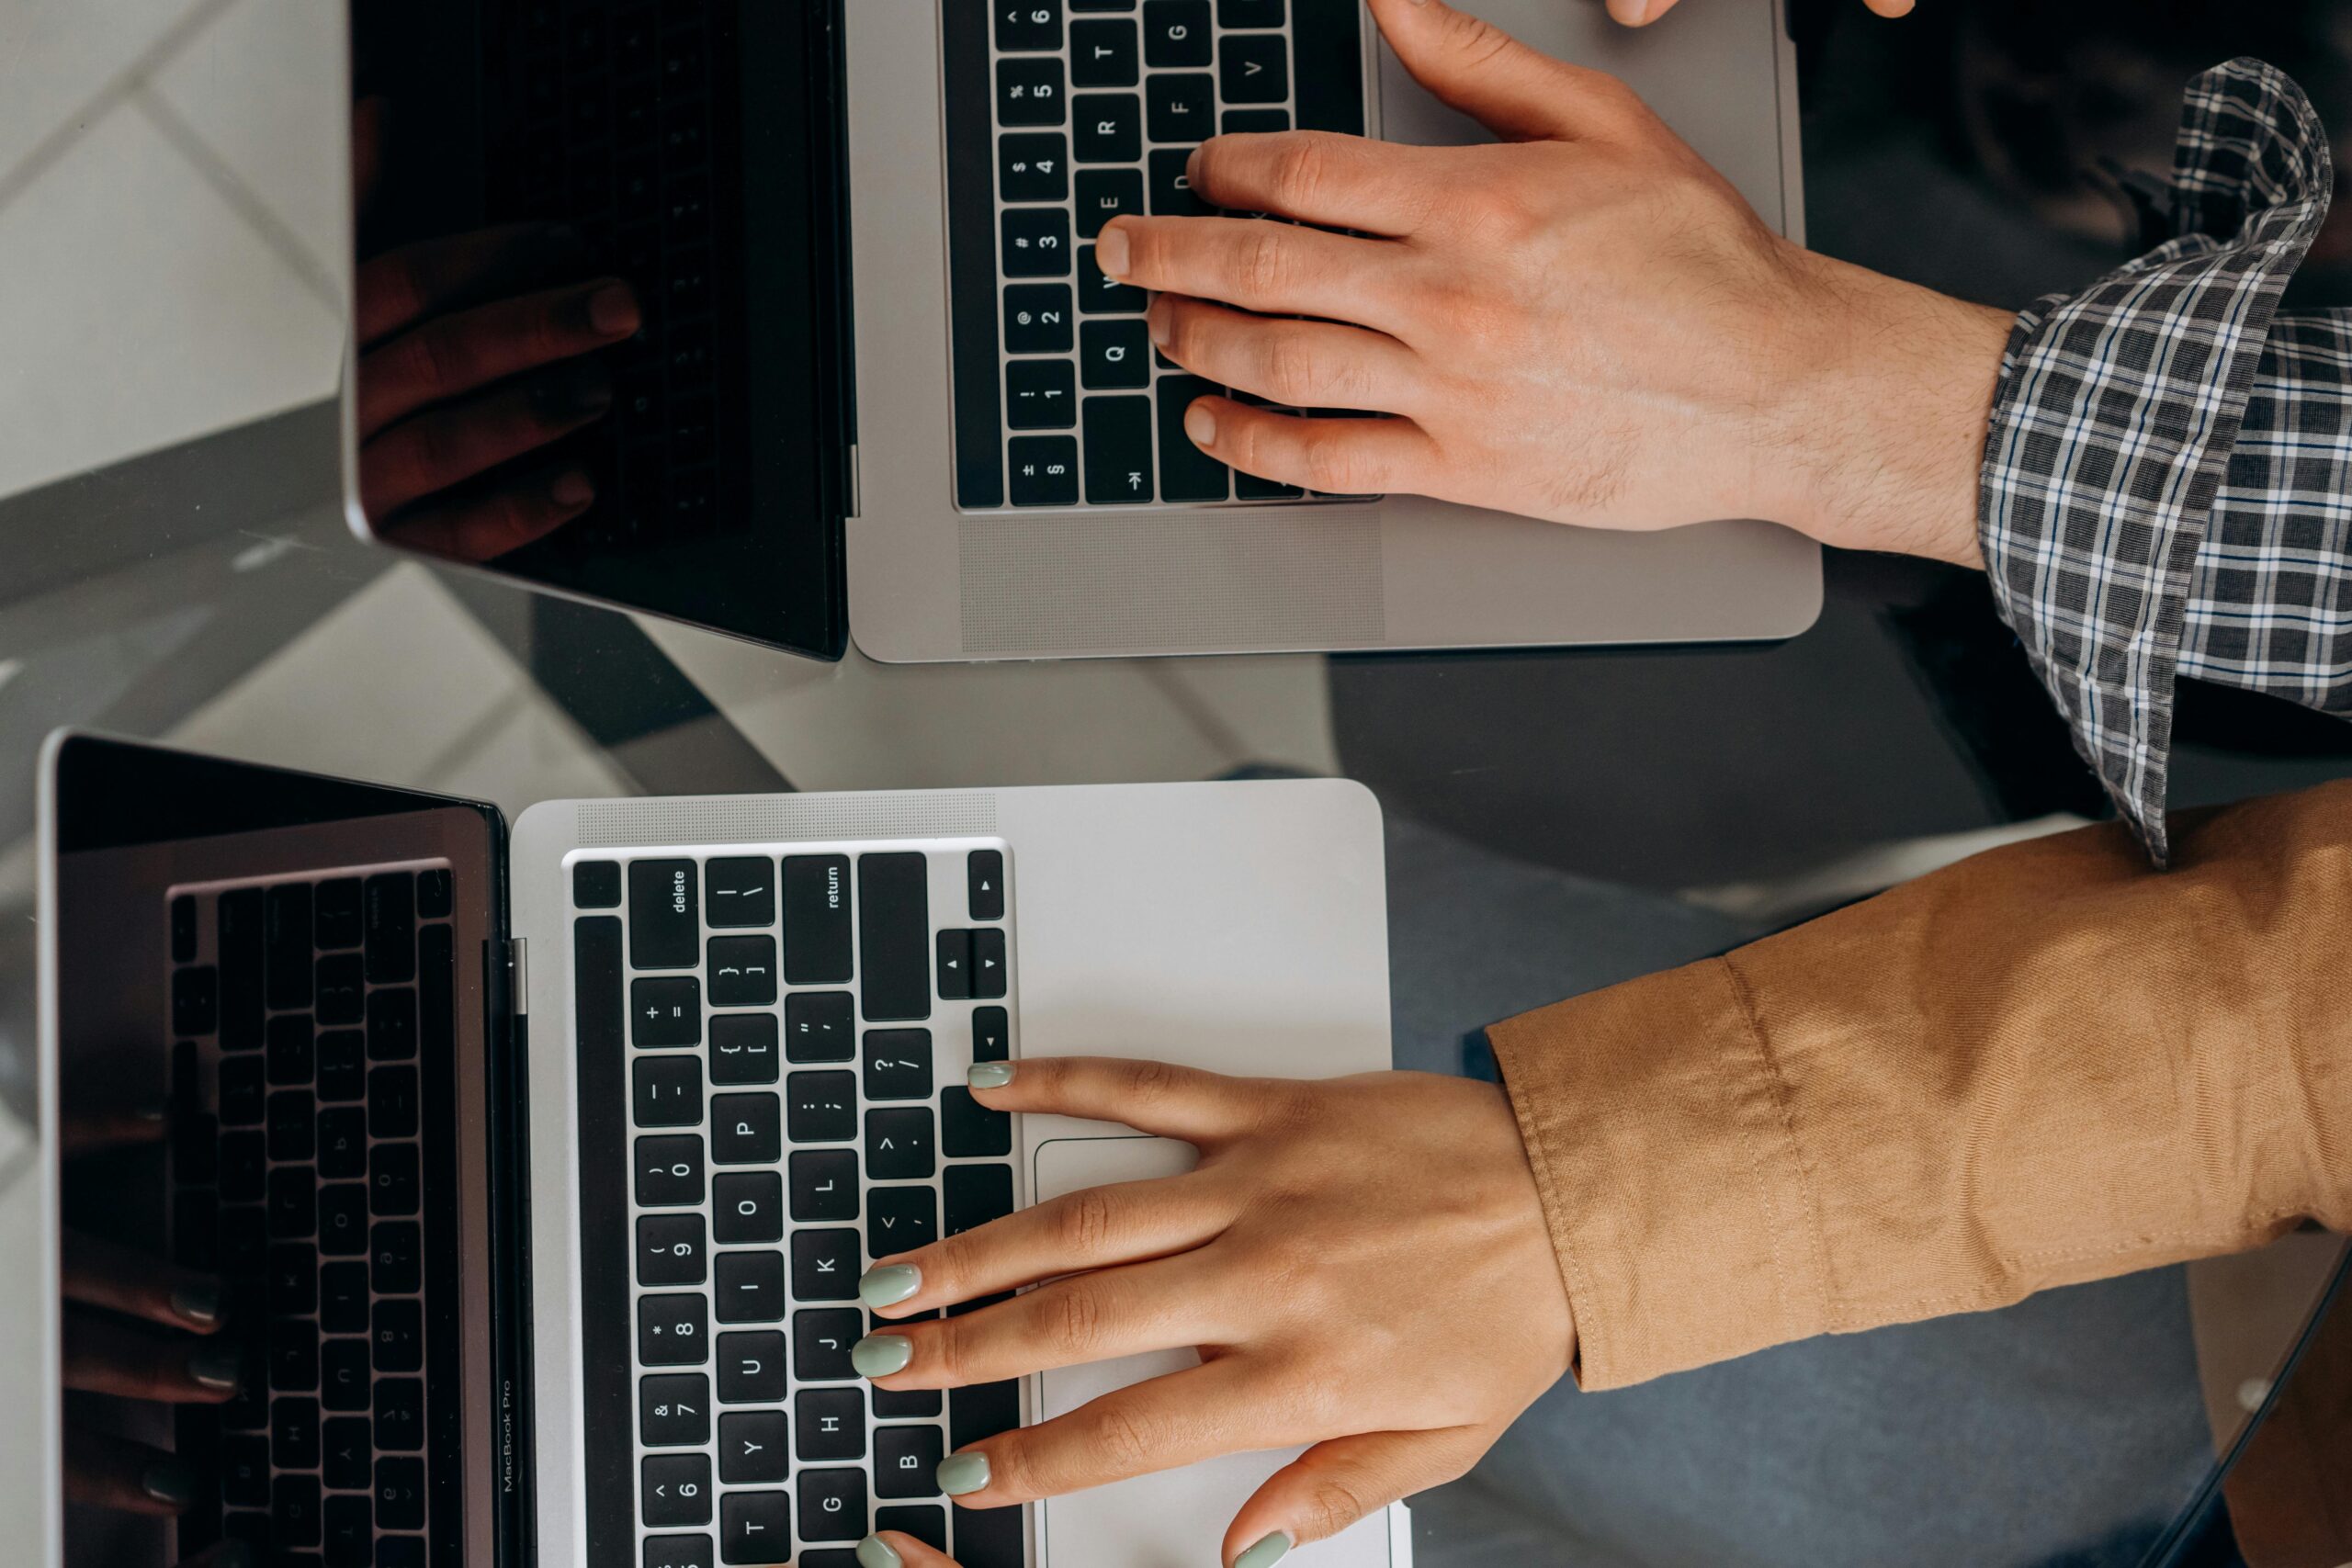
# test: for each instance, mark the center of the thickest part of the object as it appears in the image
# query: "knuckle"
(1478, 40)
(1085, 1221)
(1330, 1506)
(1153, 1082)
(948, 1347)
(1263, 266)
(1334, 468)
(1076, 1320)
(1126, 1443)
(1290, 370)
(1300, 171)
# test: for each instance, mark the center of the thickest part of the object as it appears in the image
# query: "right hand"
(1642, 13)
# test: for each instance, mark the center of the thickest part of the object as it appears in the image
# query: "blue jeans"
(2068, 1429)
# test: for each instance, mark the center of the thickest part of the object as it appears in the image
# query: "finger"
(1334, 1483)
(446, 447)
(1159, 1097)
(895, 1548)
(1639, 13)
(1099, 1227)
(1258, 264)
(1099, 1316)
(1889, 8)
(431, 278)
(100, 1274)
(91, 1131)
(106, 1471)
(455, 354)
(483, 527)
(102, 1356)
(1304, 364)
(1345, 182)
(1156, 1425)
(1335, 457)
(1519, 94)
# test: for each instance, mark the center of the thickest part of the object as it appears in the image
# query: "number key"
(1041, 394)
(672, 1331)
(676, 1490)
(1028, 25)
(1036, 318)
(669, 1172)
(669, 1249)
(1029, 91)
(1033, 167)
(1036, 241)
(674, 1412)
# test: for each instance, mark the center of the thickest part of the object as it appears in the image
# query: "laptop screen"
(600, 313)
(269, 1060)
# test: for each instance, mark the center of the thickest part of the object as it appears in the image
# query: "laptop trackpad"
(1176, 1518)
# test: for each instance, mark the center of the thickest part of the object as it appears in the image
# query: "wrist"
(1883, 439)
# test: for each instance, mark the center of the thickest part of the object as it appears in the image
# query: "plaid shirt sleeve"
(2168, 468)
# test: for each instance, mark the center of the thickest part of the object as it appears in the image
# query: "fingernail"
(879, 1355)
(572, 488)
(197, 1302)
(875, 1552)
(1269, 1550)
(1110, 251)
(1155, 321)
(990, 1075)
(170, 1483)
(612, 310)
(960, 1475)
(1201, 426)
(216, 1366)
(889, 1284)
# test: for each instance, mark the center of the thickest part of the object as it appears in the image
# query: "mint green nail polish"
(875, 1552)
(889, 1284)
(962, 1475)
(216, 1366)
(990, 1075)
(879, 1355)
(1268, 1550)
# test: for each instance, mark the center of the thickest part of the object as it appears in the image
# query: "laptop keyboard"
(1062, 115)
(796, 1027)
(314, 1017)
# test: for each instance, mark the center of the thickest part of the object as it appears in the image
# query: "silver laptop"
(883, 393)
(543, 1167)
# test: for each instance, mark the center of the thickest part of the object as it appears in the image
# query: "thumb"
(1516, 92)
(1333, 1484)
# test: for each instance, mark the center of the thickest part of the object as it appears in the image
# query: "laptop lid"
(685, 456)
(271, 1069)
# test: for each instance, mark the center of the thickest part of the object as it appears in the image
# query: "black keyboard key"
(1108, 128)
(987, 1537)
(905, 1460)
(1114, 355)
(983, 877)
(293, 1432)
(969, 1130)
(1105, 193)
(833, 1503)
(394, 1185)
(1033, 167)
(1041, 394)
(824, 1265)
(755, 1529)
(244, 1473)
(595, 885)
(1028, 25)
(746, 1129)
(343, 1143)
(743, 1048)
(816, 920)
(894, 924)
(1102, 4)
(1170, 185)
(1250, 486)
(346, 1382)
(343, 1298)
(399, 1415)
(239, 911)
(927, 1524)
(244, 1167)
(1175, 33)
(1038, 319)
(669, 1172)
(1044, 473)
(955, 967)
(1254, 120)
(436, 992)
(663, 931)
(294, 1511)
(1254, 70)
(739, 890)
(991, 1034)
(665, 1011)
(392, 1024)
(754, 1446)
(1104, 54)
(294, 1368)
(334, 913)
(742, 971)
(824, 1185)
(1029, 91)
(346, 1446)
(906, 1404)
(750, 1369)
(387, 904)
(666, 1090)
(288, 1054)
(748, 1287)
(434, 894)
(820, 1026)
(343, 1219)
(293, 1203)
(286, 945)
(1186, 473)
(680, 1551)
(828, 1424)
(821, 1341)
(1181, 108)
(899, 1144)
(673, 1331)
(1248, 13)
(982, 1411)
(243, 1100)
(673, 1411)
(395, 1258)
(900, 1219)
(991, 969)
(747, 1206)
(675, 1490)
(669, 1249)
(195, 999)
(392, 1101)
(975, 1194)
(184, 928)
(898, 1061)
(1036, 241)
(341, 989)
(350, 1533)
(292, 1288)
(399, 1494)
(397, 1332)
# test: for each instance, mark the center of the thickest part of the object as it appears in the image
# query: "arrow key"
(985, 873)
(988, 963)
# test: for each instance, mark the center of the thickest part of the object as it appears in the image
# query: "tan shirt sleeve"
(2044, 1064)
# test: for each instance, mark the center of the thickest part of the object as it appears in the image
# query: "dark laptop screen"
(674, 444)
(270, 1063)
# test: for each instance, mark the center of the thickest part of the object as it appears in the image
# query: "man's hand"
(1361, 1263)
(1641, 13)
(1584, 323)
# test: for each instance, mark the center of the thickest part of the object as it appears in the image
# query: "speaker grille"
(757, 818)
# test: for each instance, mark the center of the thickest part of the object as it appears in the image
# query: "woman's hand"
(1584, 323)
(1641, 13)
(1362, 1264)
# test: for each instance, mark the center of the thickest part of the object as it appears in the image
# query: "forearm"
(2045, 1064)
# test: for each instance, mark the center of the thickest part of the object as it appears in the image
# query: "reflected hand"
(1641, 13)
(1362, 1263)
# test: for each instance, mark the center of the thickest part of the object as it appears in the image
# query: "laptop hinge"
(856, 497)
(517, 976)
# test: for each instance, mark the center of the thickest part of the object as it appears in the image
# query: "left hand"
(1362, 1264)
